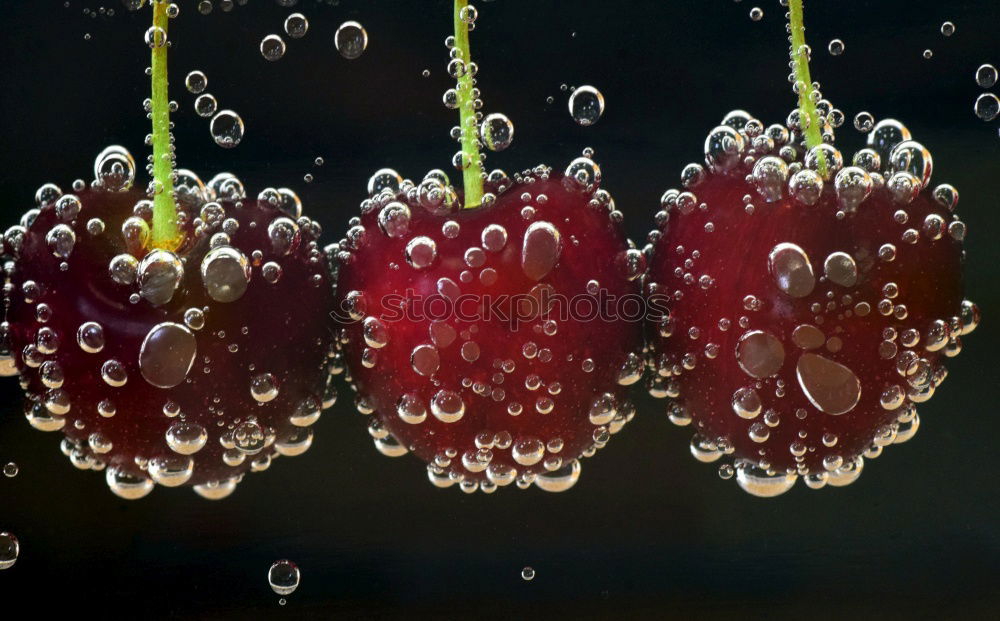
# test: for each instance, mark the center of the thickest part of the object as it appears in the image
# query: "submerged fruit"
(462, 340)
(184, 367)
(811, 301)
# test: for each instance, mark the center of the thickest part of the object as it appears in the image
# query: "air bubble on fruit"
(759, 482)
(886, 134)
(603, 409)
(225, 272)
(770, 174)
(186, 438)
(584, 172)
(263, 387)
(586, 105)
(394, 219)
(272, 47)
(494, 238)
(216, 490)
(226, 186)
(295, 442)
(496, 132)
(271, 272)
(46, 194)
(190, 189)
(114, 169)
(704, 450)
(760, 354)
(410, 409)
(114, 374)
(987, 107)
(307, 412)
(61, 240)
(986, 76)
(425, 360)
(375, 332)
(390, 447)
(723, 148)
(421, 252)
(42, 419)
(846, 473)
(90, 337)
(853, 186)
(194, 318)
(442, 334)
(249, 437)
(827, 153)
(167, 354)
(126, 485)
(631, 370)
(791, 269)
(840, 268)
(206, 105)
(227, 129)
(559, 480)
(528, 451)
(830, 386)
(160, 273)
(903, 187)
(746, 403)
(806, 186)
(171, 470)
(447, 406)
(351, 40)
(911, 157)
(283, 234)
(470, 351)
(540, 250)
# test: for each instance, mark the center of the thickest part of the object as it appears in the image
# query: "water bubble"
(385, 179)
(527, 574)
(864, 121)
(114, 168)
(496, 132)
(928, 54)
(987, 106)
(10, 470)
(586, 105)
(225, 272)
(791, 269)
(394, 219)
(756, 14)
(947, 29)
(758, 482)
(351, 40)
(186, 438)
(836, 47)
(167, 354)
(171, 470)
(447, 406)
(206, 105)
(264, 387)
(986, 76)
(272, 47)
(830, 386)
(227, 129)
(196, 82)
(760, 354)
(284, 577)
(9, 549)
(540, 250)
(160, 273)
(421, 252)
(296, 25)
(61, 240)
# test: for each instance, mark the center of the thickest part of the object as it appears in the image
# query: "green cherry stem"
(800, 57)
(166, 233)
(473, 165)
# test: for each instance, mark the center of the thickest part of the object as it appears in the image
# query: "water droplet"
(351, 40)
(167, 354)
(284, 577)
(830, 386)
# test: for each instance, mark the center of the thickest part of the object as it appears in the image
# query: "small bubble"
(296, 25)
(947, 29)
(272, 47)
(586, 105)
(227, 129)
(987, 106)
(284, 577)
(986, 76)
(928, 54)
(196, 82)
(836, 47)
(351, 40)
(10, 470)
(756, 13)
(528, 574)
(864, 122)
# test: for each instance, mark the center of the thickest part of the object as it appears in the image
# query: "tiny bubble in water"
(528, 574)
(10, 470)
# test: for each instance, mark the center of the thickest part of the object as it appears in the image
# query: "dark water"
(647, 532)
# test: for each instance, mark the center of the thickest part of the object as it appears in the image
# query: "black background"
(647, 531)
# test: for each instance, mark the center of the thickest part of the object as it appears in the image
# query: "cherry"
(808, 312)
(468, 344)
(810, 304)
(187, 367)
(180, 340)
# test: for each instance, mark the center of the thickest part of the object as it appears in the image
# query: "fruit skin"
(712, 251)
(593, 248)
(272, 328)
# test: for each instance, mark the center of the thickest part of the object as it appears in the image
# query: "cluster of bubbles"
(351, 38)
(987, 105)
(227, 126)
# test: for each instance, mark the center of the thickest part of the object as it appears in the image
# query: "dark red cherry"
(463, 344)
(808, 313)
(179, 368)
